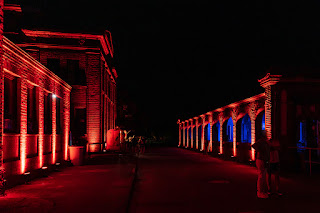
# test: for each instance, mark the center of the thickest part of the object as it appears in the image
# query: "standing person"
(142, 145)
(262, 158)
(274, 166)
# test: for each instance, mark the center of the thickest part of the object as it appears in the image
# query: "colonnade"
(191, 137)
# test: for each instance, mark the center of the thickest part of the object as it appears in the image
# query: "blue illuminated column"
(197, 136)
(191, 137)
(203, 118)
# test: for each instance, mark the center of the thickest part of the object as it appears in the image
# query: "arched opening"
(228, 130)
(199, 136)
(189, 137)
(186, 136)
(207, 132)
(244, 138)
(227, 146)
(181, 139)
(246, 129)
(216, 132)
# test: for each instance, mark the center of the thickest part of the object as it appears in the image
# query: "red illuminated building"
(288, 110)
(53, 83)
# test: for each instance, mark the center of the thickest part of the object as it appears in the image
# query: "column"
(197, 136)
(253, 116)
(54, 128)
(23, 120)
(191, 131)
(66, 122)
(211, 137)
(203, 118)
(268, 107)
(221, 119)
(253, 137)
(41, 125)
(211, 127)
(235, 113)
(187, 128)
(1, 85)
(234, 138)
(184, 134)
(179, 133)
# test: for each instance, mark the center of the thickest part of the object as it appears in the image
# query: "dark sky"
(178, 59)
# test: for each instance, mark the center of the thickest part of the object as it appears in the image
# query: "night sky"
(179, 59)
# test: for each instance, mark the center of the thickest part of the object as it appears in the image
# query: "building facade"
(54, 88)
(35, 109)
(85, 61)
(288, 110)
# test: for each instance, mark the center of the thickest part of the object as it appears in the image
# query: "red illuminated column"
(191, 131)
(179, 133)
(187, 128)
(267, 82)
(221, 119)
(211, 127)
(268, 108)
(66, 122)
(54, 129)
(253, 116)
(1, 83)
(41, 126)
(197, 135)
(234, 121)
(253, 137)
(23, 120)
(184, 134)
(234, 138)
(202, 133)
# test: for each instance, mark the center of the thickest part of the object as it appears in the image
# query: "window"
(58, 115)
(32, 110)
(47, 113)
(53, 64)
(81, 121)
(10, 105)
(75, 76)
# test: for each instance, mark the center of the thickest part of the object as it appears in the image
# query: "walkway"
(178, 180)
(103, 185)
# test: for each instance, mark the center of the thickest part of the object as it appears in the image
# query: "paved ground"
(178, 180)
(168, 180)
(103, 185)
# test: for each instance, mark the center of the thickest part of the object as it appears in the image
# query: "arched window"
(229, 130)
(246, 129)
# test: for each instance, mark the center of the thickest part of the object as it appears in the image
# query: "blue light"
(229, 130)
(263, 125)
(246, 129)
(208, 132)
(190, 133)
(216, 132)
